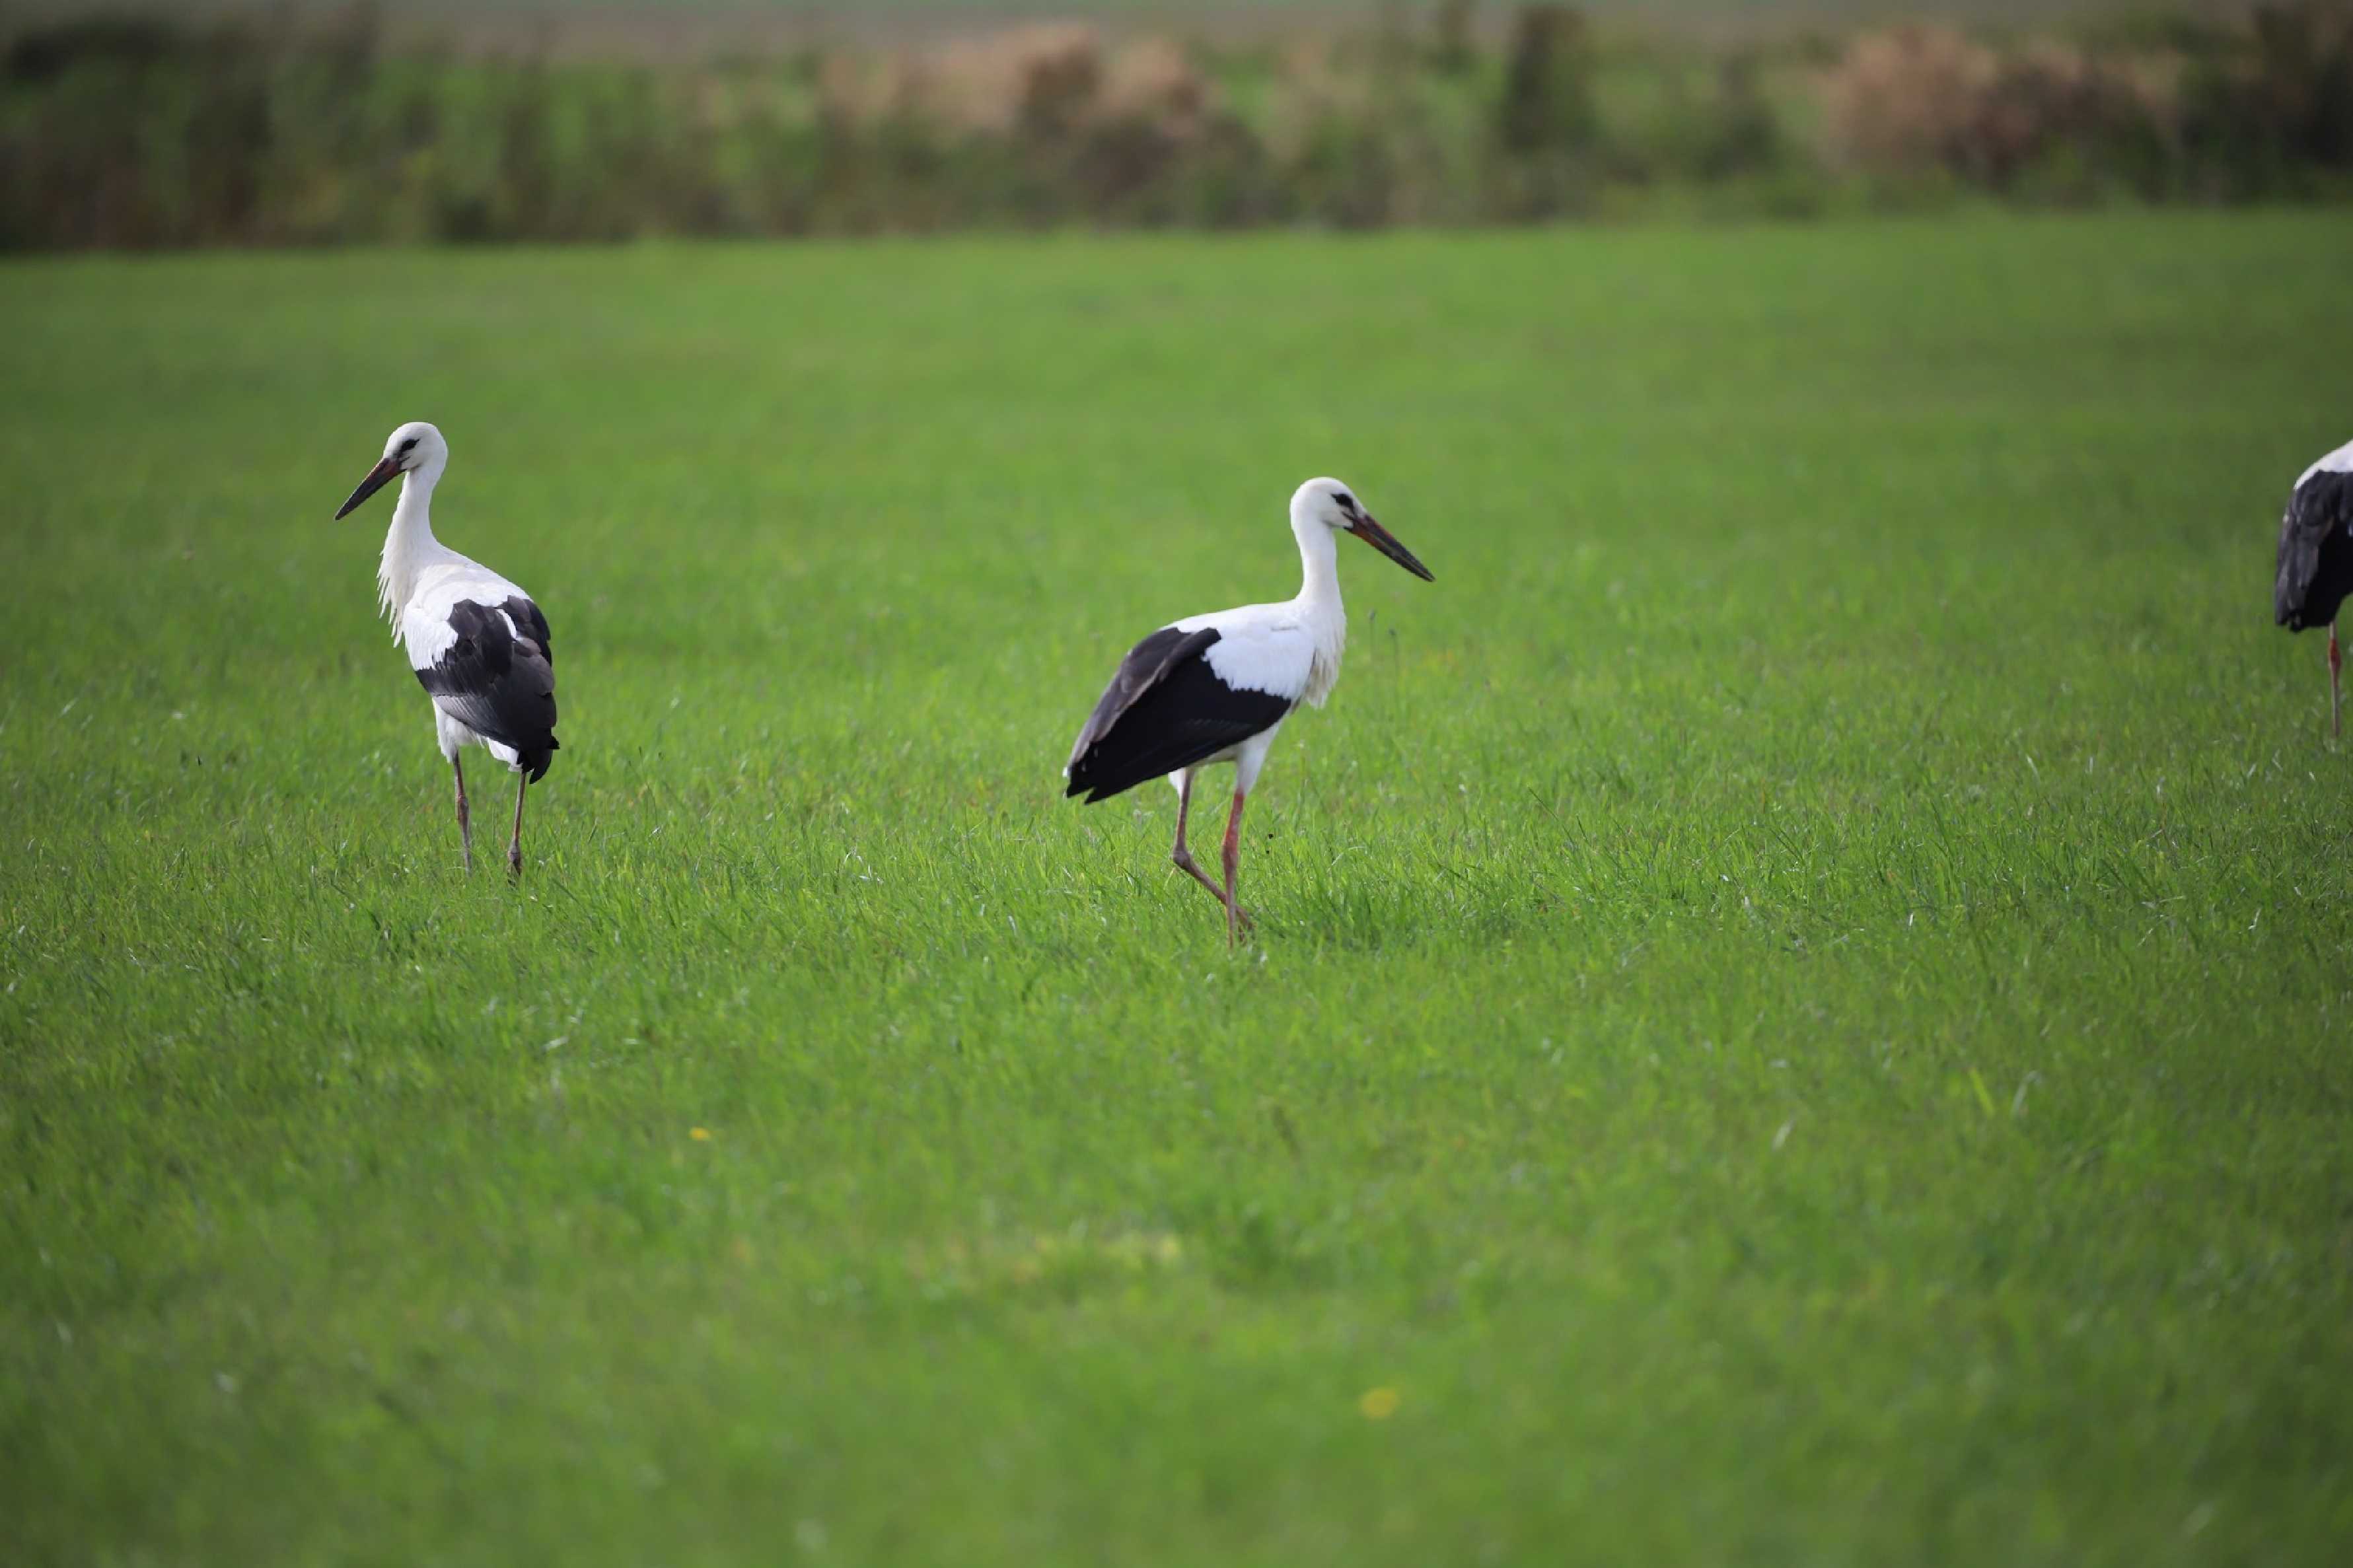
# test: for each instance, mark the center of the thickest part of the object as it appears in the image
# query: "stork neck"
(408, 544)
(1318, 568)
(1319, 606)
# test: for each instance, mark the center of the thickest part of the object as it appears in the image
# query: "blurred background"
(311, 122)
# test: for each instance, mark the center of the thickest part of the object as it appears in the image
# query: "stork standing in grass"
(1217, 687)
(2315, 561)
(477, 643)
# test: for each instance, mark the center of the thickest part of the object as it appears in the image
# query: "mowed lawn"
(1803, 1008)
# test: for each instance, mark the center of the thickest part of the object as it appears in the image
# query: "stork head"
(1330, 504)
(414, 446)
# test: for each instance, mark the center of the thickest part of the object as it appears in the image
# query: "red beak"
(383, 470)
(1382, 540)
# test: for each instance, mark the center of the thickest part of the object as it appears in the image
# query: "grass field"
(1802, 1004)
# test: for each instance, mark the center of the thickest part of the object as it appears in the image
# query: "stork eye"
(1347, 502)
(408, 444)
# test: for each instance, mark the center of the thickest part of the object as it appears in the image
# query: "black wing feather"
(497, 681)
(2315, 553)
(525, 615)
(1165, 709)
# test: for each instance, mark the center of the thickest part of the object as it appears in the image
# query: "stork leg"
(1184, 857)
(2336, 685)
(1181, 854)
(1233, 855)
(465, 823)
(514, 845)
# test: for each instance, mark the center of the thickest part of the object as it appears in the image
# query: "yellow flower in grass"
(1378, 1403)
(700, 1134)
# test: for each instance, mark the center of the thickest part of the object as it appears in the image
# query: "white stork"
(2315, 560)
(476, 641)
(1217, 687)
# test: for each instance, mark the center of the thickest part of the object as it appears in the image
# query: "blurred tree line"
(142, 132)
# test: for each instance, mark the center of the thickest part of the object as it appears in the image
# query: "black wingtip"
(1086, 787)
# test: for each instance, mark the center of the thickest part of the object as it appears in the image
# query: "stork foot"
(1182, 858)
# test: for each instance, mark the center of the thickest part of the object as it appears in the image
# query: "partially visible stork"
(1217, 687)
(477, 643)
(2315, 561)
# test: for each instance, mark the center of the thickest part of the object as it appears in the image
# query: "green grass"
(1802, 1007)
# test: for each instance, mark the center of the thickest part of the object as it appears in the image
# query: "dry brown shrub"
(1041, 78)
(2044, 90)
(1045, 80)
(1907, 99)
(1316, 89)
(1924, 98)
(855, 90)
(2155, 83)
(1154, 81)
(2053, 93)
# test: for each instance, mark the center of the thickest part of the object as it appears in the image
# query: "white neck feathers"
(1319, 602)
(409, 546)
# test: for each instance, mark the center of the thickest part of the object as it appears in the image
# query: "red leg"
(465, 825)
(1182, 856)
(1233, 855)
(514, 845)
(2336, 685)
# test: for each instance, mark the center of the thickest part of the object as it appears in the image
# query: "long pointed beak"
(376, 477)
(1382, 540)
